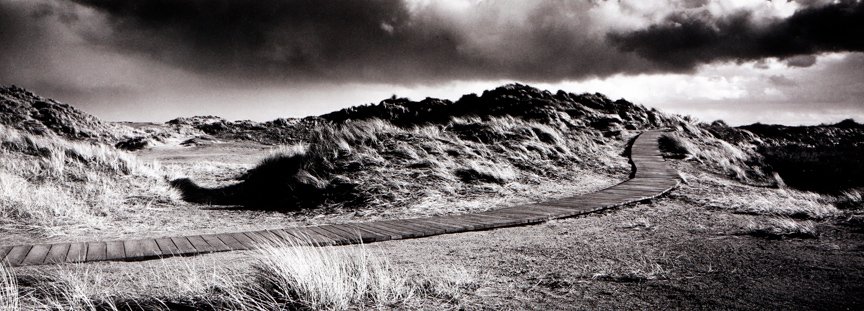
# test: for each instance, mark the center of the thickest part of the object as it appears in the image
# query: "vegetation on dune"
(399, 151)
(30, 113)
(825, 158)
(47, 181)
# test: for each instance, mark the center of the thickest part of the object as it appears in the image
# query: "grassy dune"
(47, 182)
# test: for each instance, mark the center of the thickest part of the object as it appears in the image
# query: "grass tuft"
(9, 299)
(330, 278)
(780, 228)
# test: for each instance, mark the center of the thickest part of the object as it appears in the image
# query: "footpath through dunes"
(650, 178)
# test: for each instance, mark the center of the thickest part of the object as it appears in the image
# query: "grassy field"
(677, 252)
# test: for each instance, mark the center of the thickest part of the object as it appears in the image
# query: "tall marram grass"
(8, 288)
(47, 181)
(287, 276)
(330, 278)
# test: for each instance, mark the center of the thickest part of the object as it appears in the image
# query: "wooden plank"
(568, 212)
(260, 241)
(507, 220)
(446, 228)
(362, 235)
(630, 192)
(167, 247)
(453, 227)
(425, 230)
(483, 223)
(654, 186)
(390, 235)
(3, 251)
(289, 238)
(231, 242)
(184, 247)
(492, 220)
(438, 228)
(243, 239)
(376, 235)
(200, 244)
(580, 203)
(133, 249)
(17, 254)
(306, 235)
(215, 242)
(337, 239)
(57, 254)
(150, 248)
(537, 211)
(141, 249)
(77, 252)
(402, 232)
(275, 239)
(413, 230)
(37, 255)
(111, 250)
(353, 238)
(451, 220)
(517, 216)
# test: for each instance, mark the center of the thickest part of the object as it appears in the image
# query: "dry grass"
(737, 162)
(724, 194)
(330, 278)
(778, 228)
(280, 277)
(48, 183)
(9, 299)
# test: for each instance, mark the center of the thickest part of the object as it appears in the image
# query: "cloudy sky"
(744, 61)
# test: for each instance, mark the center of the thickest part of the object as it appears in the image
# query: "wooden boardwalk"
(651, 177)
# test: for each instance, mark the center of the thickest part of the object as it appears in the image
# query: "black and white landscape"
(294, 154)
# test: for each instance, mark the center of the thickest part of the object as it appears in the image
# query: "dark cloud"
(802, 61)
(685, 40)
(372, 41)
(111, 47)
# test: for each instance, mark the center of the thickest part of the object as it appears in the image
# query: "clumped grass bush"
(674, 146)
(48, 181)
(779, 228)
(319, 278)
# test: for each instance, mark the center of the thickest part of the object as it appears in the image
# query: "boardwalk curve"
(650, 178)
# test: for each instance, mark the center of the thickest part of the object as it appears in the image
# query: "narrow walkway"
(651, 177)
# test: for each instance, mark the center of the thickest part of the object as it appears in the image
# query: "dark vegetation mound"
(23, 110)
(280, 182)
(825, 158)
(514, 100)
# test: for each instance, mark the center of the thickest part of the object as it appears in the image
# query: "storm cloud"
(388, 41)
(156, 59)
(685, 40)
(409, 42)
